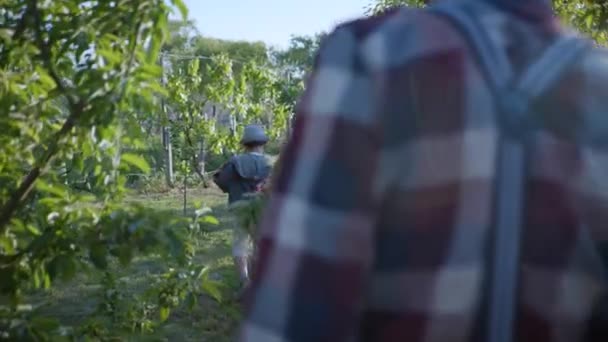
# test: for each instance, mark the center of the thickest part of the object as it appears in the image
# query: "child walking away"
(244, 174)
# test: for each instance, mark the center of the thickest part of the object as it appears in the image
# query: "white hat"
(254, 134)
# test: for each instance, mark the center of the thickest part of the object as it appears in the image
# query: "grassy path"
(74, 302)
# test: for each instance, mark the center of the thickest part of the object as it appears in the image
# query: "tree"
(181, 34)
(379, 6)
(249, 96)
(186, 41)
(78, 80)
(183, 45)
(299, 56)
(588, 16)
(293, 64)
(242, 51)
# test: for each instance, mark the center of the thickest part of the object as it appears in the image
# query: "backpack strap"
(513, 96)
(513, 92)
(547, 69)
(515, 100)
(518, 123)
(494, 61)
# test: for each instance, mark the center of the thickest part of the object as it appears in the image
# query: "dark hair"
(254, 144)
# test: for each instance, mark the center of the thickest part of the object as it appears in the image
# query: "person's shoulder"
(363, 27)
(595, 63)
(586, 89)
(594, 68)
(390, 38)
(247, 157)
(233, 161)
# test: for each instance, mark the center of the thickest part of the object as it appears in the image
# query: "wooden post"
(166, 134)
(185, 194)
(168, 157)
(201, 157)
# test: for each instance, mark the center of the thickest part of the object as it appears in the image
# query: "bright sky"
(270, 21)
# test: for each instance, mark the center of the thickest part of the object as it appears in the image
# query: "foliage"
(300, 54)
(380, 6)
(289, 65)
(123, 303)
(240, 51)
(78, 83)
(187, 41)
(249, 97)
(293, 64)
(588, 16)
(180, 36)
(188, 124)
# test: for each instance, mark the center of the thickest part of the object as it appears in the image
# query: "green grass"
(74, 302)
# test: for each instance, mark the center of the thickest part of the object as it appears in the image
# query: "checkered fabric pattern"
(377, 226)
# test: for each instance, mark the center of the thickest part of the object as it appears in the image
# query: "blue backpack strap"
(513, 96)
(510, 195)
(493, 60)
(546, 70)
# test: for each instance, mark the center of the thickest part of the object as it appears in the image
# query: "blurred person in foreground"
(243, 174)
(380, 217)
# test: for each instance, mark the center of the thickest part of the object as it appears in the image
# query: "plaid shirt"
(376, 230)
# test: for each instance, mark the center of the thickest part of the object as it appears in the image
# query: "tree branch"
(133, 43)
(17, 198)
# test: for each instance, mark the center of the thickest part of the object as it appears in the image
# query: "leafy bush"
(80, 85)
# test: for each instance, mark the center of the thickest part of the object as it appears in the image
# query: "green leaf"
(164, 313)
(51, 189)
(183, 9)
(63, 266)
(210, 220)
(6, 34)
(193, 68)
(110, 56)
(136, 161)
(32, 229)
(36, 279)
(125, 255)
(589, 20)
(45, 78)
(191, 301)
(98, 256)
(47, 280)
(203, 275)
(152, 70)
(212, 288)
(7, 244)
